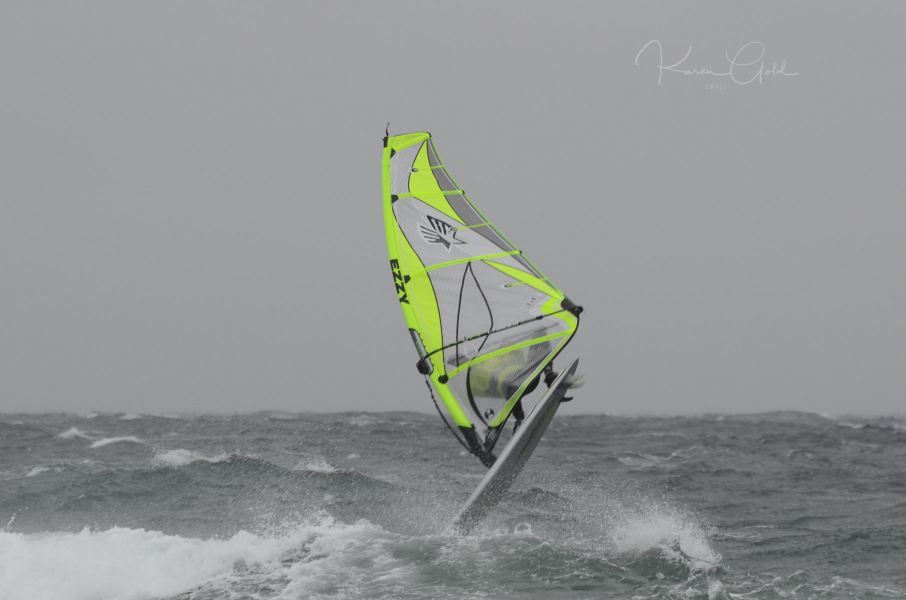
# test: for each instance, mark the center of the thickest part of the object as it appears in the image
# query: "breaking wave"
(126, 563)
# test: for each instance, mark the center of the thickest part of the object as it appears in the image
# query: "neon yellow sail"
(484, 320)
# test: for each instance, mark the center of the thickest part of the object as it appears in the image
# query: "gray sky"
(190, 206)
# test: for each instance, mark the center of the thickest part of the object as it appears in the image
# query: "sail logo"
(439, 232)
(400, 281)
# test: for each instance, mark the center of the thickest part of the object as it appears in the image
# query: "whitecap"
(318, 466)
(131, 417)
(283, 416)
(115, 440)
(633, 459)
(128, 564)
(135, 564)
(37, 471)
(180, 456)
(73, 433)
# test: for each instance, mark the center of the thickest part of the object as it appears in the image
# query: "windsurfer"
(550, 376)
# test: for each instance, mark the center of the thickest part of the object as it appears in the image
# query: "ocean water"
(357, 505)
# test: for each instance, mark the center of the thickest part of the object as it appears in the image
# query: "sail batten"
(486, 322)
(506, 349)
(459, 261)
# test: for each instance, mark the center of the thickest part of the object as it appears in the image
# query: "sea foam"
(123, 563)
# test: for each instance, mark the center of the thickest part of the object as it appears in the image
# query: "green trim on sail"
(423, 315)
(504, 350)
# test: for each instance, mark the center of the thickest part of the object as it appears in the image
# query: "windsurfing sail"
(484, 320)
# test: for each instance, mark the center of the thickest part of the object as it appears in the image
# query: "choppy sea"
(357, 505)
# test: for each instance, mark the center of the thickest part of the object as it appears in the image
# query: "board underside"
(503, 472)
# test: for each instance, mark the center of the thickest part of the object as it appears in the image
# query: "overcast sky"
(190, 200)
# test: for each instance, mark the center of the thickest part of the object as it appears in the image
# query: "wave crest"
(73, 433)
(115, 440)
(179, 457)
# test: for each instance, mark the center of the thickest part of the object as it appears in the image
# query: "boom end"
(570, 306)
